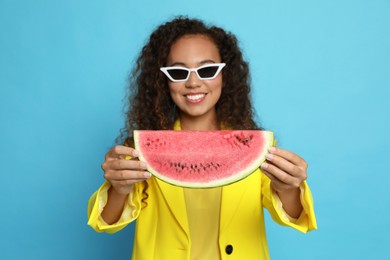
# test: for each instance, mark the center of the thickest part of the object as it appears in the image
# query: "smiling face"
(195, 98)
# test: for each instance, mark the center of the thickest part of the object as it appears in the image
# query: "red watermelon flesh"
(202, 159)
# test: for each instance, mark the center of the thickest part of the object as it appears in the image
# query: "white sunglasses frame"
(220, 67)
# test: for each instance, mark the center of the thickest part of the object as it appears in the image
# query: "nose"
(193, 80)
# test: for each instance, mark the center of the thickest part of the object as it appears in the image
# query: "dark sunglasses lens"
(208, 72)
(178, 74)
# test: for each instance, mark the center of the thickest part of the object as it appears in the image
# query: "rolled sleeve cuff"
(306, 221)
(99, 200)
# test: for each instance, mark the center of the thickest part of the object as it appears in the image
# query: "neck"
(199, 123)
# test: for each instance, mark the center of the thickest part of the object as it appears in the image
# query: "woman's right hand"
(122, 173)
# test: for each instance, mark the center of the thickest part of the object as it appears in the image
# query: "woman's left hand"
(286, 169)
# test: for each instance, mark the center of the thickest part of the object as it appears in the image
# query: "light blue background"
(321, 82)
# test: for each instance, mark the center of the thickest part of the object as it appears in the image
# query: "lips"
(195, 97)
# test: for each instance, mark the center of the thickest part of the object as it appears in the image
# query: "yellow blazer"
(162, 229)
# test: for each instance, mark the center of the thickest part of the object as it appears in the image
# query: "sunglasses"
(205, 72)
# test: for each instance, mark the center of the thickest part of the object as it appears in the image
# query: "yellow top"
(203, 208)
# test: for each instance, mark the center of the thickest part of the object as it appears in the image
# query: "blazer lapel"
(174, 197)
(231, 199)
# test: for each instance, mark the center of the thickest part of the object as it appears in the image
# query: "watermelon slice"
(202, 159)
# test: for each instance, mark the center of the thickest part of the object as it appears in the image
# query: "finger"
(123, 183)
(278, 174)
(286, 165)
(126, 175)
(288, 155)
(123, 165)
(278, 185)
(121, 151)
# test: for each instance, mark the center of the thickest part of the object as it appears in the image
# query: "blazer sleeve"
(305, 222)
(130, 212)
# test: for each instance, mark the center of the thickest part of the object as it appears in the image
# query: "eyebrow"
(184, 65)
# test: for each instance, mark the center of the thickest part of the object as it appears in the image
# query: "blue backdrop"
(321, 81)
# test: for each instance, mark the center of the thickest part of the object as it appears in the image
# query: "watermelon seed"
(193, 167)
(244, 139)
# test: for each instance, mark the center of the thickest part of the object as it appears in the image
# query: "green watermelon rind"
(268, 142)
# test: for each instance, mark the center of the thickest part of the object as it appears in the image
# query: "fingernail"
(147, 175)
(272, 149)
(264, 166)
(135, 153)
(143, 165)
(270, 156)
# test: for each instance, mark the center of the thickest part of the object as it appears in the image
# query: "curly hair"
(149, 104)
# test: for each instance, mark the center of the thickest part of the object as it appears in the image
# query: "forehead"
(193, 50)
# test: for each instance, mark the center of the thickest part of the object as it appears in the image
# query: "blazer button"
(229, 249)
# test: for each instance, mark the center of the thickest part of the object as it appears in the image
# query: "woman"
(193, 77)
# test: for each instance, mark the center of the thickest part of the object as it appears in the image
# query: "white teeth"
(195, 97)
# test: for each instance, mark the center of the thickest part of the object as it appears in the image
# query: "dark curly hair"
(150, 106)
